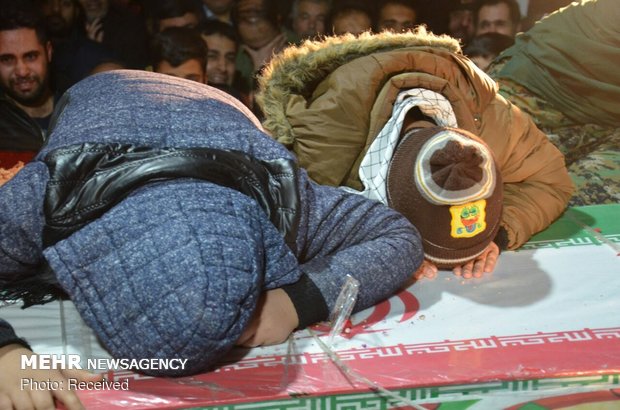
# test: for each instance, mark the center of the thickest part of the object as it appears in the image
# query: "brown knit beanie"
(445, 181)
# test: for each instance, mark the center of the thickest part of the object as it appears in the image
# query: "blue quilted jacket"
(175, 269)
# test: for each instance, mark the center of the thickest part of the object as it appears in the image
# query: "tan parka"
(328, 100)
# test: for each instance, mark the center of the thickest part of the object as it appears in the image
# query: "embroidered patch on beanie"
(468, 219)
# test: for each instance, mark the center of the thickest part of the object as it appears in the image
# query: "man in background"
(75, 55)
(461, 20)
(351, 17)
(26, 95)
(309, 17)
(118, 30)
(259, 24)
(222, 48)
(498, 16)
(180, 52)
(397, 15)
(173, 13)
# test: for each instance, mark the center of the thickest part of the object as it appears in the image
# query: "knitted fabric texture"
(445, 182)
(452, 169)
(447, 172)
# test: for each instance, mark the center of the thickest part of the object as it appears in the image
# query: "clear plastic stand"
(343, 308)
(339, 317)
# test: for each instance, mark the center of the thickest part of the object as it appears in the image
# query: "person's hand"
(15, 395)
(484, 263)
(94, 30)
(426, 270)
(274, 320)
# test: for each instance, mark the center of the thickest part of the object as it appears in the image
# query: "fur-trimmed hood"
(299, 69)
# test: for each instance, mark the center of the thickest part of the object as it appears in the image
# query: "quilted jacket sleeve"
(537, 186)
(21, 220)
(348, 234)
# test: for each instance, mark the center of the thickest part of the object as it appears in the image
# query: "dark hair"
(219, 27)
(16, 14)
(164, 9)
(176, 45)
(513, 7)
(488, 45)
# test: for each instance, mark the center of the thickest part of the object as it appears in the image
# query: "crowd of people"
(83, 37)
(223, 43)
(382, 139)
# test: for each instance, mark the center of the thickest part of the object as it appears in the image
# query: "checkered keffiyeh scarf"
(375, 164)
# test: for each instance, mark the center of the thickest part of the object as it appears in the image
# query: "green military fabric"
(591, 151)
(590, 143)
(570, 58)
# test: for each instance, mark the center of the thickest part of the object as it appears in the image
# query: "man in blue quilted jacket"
(179, 229)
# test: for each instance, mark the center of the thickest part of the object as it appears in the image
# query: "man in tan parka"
(329, 100)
